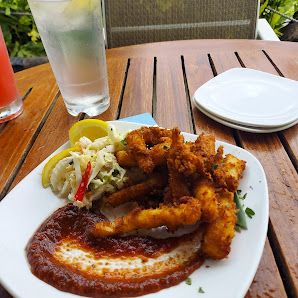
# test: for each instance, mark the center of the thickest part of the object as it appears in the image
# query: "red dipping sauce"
(65, 254)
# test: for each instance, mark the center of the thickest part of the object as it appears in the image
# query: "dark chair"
(129, 22)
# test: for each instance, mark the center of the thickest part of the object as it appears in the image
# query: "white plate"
(250, 97)
(244, 127)
(29, 204)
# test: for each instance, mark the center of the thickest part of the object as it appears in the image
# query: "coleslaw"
(106, 175)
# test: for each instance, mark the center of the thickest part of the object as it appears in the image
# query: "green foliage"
(20, 33)
(287, 7)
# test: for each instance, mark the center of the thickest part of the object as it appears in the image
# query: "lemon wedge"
(90, 128)
(50, 165)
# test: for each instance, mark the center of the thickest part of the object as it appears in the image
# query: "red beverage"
(10, 102)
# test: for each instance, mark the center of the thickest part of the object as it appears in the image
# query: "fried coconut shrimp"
(186, 182)
(228, 172)
(177, 181)
(204, 191)
(218, 235)
(139, 141)
(181, 156)
(138, 191)
(156, 154)
(188, 212)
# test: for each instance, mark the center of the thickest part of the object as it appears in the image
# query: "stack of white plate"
(250, 100)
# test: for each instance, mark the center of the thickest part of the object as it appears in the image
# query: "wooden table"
(160, 79)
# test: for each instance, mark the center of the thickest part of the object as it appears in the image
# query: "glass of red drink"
(11, 104)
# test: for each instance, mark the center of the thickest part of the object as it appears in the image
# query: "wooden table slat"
(282, 181)
(116, 75)
(171, 100)
(276, 162)
(259, 61)
(288, 67)
(18, 134)
(55, 128)
(138, 91)
(287, 64)
(198, 71)
(200, 46)
(267, 281)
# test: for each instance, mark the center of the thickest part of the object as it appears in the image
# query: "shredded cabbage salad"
(106, 175)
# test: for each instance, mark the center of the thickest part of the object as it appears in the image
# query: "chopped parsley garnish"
(165, 147)
(214, 167)
(184, 263)
(201, 290)
(124, 142)
(239, 191)
(188, 281)
(249, 212)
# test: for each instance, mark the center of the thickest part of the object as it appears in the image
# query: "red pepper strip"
(79, 196)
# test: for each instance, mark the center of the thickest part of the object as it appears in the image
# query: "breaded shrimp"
(134, 192)
(157, 154)
(205, 145)
(188, 212)
(228, 172)
(218, 235)
(177, 182)
(204, 191)
(138, 142)
(185, 161)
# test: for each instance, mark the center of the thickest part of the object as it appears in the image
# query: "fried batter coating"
(138, 142)
(215, 160)
(204, 191)
(134, 192)
(157, 154)
(126, 160)
(188, 212)
(218, 235)
(228, 172)
(159, 151)
(205, 145)
(185, 161)
(177, 183)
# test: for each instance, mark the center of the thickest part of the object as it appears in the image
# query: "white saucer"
(244, 127)
(250, 98)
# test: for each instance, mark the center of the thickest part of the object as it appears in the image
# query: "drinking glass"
(11, 104)
(72, 34)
